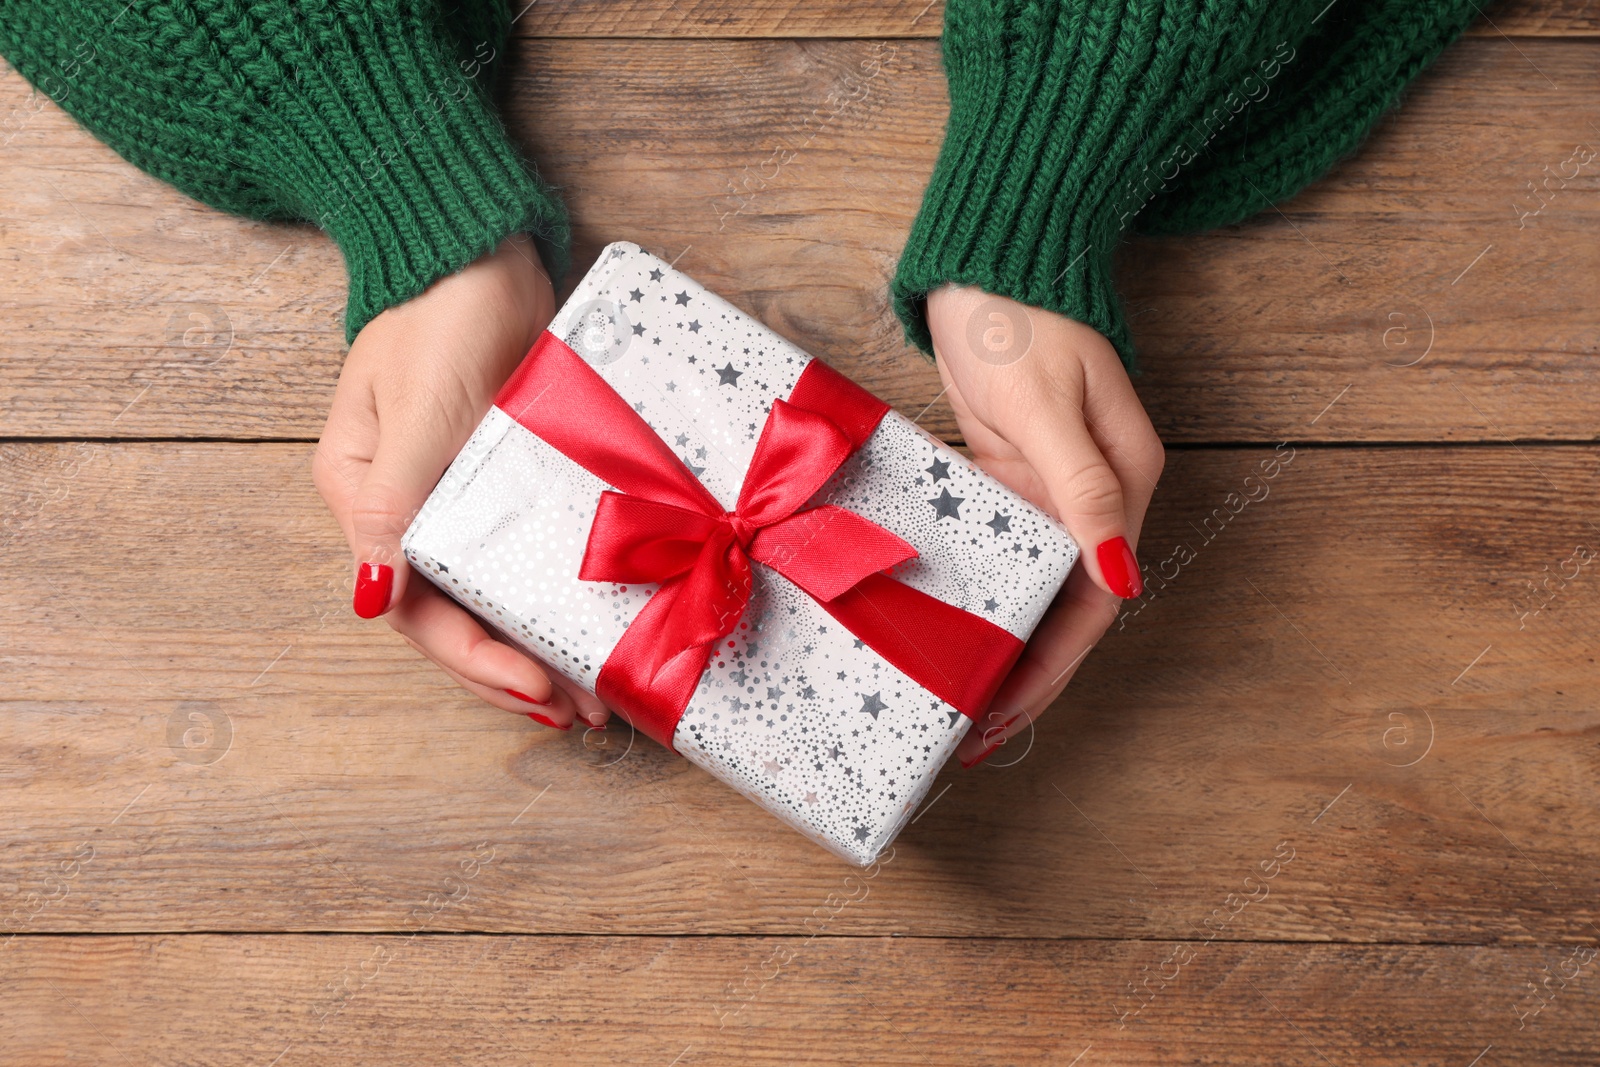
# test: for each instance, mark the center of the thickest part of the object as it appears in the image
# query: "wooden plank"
(134, 312)
(720, 18)
(1351, 667)
(902, 18)
(519, 1000)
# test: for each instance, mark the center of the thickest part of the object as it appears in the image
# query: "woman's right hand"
(418, 380)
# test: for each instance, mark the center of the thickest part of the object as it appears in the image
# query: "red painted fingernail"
(528, 699)
(985, 754)
(595, 726)
(1120, 568)
(999, 735)
(536, 717)
(373, 581)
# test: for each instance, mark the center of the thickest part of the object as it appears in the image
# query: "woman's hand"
(1046, 407)
(416, 383)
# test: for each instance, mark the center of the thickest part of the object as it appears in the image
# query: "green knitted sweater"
(1071, 122)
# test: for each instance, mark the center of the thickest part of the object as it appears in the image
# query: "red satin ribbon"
(661, 525)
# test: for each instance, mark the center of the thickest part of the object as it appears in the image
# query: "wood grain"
(222, 1000)
(1408, 284)
(1324, 795)
(901, 18)
(190, 700)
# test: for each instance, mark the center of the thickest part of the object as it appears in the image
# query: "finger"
(545, 716)
(1085, 492)
(1063, 639)
(591, 712)
(1122, 430)
(447, 634)
(343, 454)
(409, 460)
(586, 708)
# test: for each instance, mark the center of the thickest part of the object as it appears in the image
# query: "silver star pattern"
(872, 704)
(946, 506)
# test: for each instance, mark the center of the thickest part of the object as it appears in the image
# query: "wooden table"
(1326, 796)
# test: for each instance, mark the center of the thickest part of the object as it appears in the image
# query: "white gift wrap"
(793, 711)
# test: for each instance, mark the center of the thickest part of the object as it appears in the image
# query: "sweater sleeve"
(1075, 121)
(373, 119)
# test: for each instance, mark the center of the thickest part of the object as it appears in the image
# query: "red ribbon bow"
(662, 526)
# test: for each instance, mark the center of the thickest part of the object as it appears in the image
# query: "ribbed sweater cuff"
(397, 152)
(1054, 115)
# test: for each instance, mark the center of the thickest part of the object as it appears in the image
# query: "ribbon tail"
(647, 690)
(827, 550)
(655, 668)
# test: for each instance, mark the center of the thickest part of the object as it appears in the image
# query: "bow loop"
(797, 453)
(637, 540)
(827, 550)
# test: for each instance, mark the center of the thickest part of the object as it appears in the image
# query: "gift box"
(749, 557)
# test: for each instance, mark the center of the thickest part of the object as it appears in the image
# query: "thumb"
(404, 470)
(1087, 496)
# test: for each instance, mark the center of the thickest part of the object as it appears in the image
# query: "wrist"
(498, 303)
(517, 257)
(970, 325)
